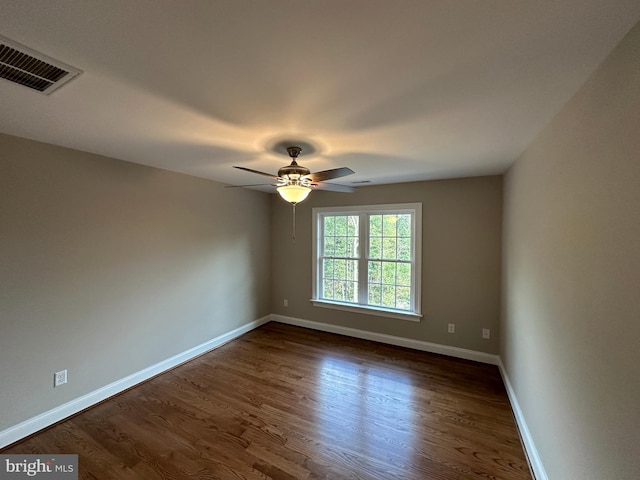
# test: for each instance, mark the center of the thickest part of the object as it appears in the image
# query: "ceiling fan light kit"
(294, 193)
(293, 182)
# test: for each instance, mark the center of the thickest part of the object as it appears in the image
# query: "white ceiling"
(396, 90)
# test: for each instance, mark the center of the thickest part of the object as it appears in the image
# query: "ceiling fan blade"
(256, 171)
(333, 187)
(251, 185)
(330, 174)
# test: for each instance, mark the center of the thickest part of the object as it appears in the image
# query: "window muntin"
(368, 257)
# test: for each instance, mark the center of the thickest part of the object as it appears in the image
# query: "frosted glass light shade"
(294, 193)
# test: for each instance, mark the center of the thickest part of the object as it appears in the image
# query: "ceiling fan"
(294, 182)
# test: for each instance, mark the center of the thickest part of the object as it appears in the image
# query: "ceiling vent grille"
(26, 67)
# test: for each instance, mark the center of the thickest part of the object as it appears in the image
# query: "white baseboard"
(391, 339)
(46, 419)
(535, 463)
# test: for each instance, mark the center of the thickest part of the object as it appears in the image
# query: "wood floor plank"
(287, 403)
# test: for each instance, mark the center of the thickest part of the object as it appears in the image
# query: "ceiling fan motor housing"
(293, 171)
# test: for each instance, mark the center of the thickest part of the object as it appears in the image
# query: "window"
(367, 259)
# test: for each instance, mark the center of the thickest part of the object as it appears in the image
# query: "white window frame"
(364, 211)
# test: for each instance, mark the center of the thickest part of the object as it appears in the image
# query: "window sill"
(367, 310)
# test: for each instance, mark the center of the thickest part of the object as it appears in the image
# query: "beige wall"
(108, 267)
(461, 260)
(571, 318)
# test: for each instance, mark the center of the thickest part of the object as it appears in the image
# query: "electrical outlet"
(486, 333)
(59, 378)
(451, 328)
(285, 303)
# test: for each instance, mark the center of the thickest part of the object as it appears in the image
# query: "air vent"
(359, 182)
(26, 67)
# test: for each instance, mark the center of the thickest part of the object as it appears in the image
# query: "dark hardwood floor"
(284, 403)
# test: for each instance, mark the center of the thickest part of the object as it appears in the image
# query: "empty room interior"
(321, 240)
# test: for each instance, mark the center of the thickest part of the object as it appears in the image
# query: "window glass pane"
(353, 249)
(375, 294)
(353, 229)
(327, 268)
(340, 270)
(327, 289)
(404, 274)
(375, 247)
(344, 291)
(375, 272)
(404, 225)
(388, 273)
(338, 290)
(341, 225)
(329, 246)
(403, 298)
(375, 225)
(352, 270)
(404, 248)
(389, 225)
(388, 296)
(341, 247)
(329, 223)
(389, 248)
(351, 293)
